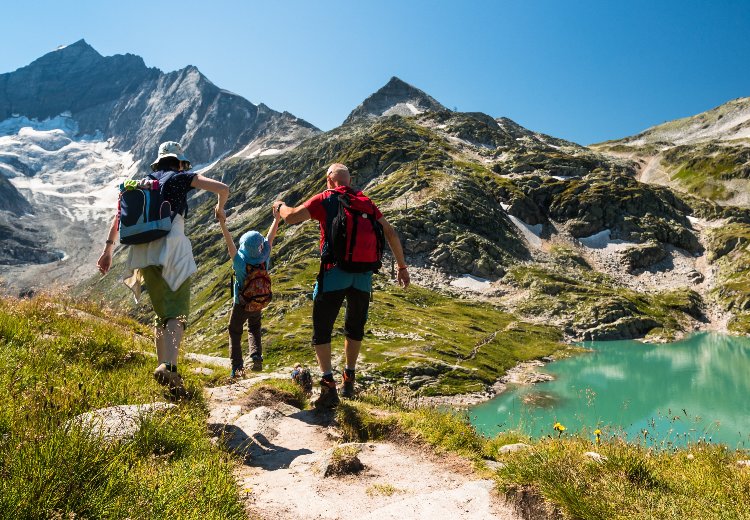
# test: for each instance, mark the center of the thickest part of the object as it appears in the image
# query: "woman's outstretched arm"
(222, 190)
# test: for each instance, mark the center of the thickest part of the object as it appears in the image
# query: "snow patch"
(78, 178)
(414, 110)
(603, 240)
(64, 122)
(473, 283)
(529, 232)
(703, 223)
(402, 109)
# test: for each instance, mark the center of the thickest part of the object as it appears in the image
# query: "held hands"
(276, 209)
(219, 213)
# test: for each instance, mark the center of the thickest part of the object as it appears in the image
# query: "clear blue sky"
(581, 70)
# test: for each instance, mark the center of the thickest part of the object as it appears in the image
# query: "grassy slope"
(59, 359)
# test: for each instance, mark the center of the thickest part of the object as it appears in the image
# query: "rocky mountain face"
(74, 123)
(516, 240)
(138, 107)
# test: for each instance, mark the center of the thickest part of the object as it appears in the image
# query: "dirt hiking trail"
(290, 467)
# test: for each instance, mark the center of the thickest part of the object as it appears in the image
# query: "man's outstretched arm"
(398, 252)
(292, 215)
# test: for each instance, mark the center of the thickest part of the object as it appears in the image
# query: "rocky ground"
(289, 468)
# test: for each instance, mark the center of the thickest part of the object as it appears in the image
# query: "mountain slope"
(707, 154)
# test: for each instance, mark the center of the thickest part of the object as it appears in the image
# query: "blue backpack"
(144, 214)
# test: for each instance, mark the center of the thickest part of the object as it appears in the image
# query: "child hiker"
(252, 291)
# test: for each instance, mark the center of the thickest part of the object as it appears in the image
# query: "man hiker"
(348, 276)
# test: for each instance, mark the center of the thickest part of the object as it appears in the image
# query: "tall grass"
(60, 358)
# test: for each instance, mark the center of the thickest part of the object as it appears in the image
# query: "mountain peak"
(395, 98)
(75, 49)
(80, 44)
(76, 55)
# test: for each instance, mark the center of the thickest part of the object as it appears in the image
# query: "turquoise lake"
(691, 390)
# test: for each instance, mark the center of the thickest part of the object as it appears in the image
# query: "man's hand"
(403, 277)
(219, 213)
(275, 210)
(104, 262)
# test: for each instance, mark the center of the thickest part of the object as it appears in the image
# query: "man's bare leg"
(351, 352)
(323, 353)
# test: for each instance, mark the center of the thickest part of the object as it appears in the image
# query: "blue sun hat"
(254, 248)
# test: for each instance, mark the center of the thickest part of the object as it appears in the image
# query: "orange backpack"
(256, 290)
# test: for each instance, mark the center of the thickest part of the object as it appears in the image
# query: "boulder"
(643, 255)
(340, 460)
(510, 448)
(596, 457)
(119, 422)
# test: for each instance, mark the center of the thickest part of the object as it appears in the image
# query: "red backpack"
(355, 238)
(256, 289)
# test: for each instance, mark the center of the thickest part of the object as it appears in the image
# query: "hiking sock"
(171, 367)
(328, 378)
(349, 373)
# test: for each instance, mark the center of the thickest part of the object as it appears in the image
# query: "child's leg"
(253, 326)
(236, 324)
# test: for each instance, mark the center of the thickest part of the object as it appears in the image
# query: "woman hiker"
(165, 265)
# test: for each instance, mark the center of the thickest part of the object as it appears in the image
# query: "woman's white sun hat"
(169, 149)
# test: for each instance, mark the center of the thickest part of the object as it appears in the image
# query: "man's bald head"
(338, 175)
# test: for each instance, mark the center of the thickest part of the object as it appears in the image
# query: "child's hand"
(276, 209)
(221, 216)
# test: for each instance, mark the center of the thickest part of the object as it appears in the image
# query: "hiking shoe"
(257, 363)
(329, 397)
(347, 389)
(170, 379)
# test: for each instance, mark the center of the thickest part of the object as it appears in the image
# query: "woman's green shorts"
(168, 304)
